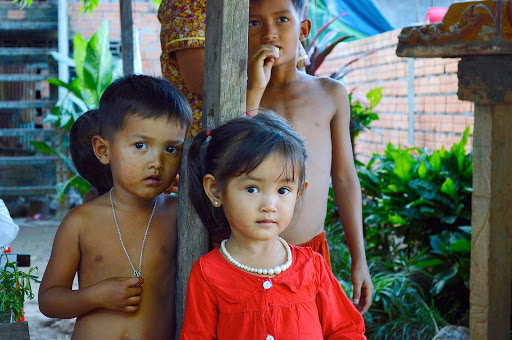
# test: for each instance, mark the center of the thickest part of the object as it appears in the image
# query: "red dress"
(304, 302)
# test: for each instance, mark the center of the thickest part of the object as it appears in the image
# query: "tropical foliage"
(95, 70)
(417, 217)
(362, 112)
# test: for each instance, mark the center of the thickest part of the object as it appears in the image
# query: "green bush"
(417, 217)
(92, 61)
(410, 195)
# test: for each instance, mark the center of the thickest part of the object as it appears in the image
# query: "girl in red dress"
(246, 178)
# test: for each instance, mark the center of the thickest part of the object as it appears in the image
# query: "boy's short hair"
(299, 5)
(149, 97)
(82, 154)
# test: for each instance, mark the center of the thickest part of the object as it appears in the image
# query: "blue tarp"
(363, 16)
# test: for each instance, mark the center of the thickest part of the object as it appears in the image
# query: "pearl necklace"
(270, 271)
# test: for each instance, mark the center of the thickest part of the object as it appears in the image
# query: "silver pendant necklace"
(135, 272)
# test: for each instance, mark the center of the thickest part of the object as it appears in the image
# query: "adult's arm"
(191, 61)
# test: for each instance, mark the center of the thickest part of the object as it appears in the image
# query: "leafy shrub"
(361, 112)
(417, 209)
(92, 61)
(410, 195)
(447, 265)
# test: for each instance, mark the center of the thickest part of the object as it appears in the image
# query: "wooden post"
(125, 7)
(225, 85)
(225, 72)
(491, 244)
(485, 81)
(479, 33)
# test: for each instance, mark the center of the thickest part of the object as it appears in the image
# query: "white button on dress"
(267, 285)
(270, 337)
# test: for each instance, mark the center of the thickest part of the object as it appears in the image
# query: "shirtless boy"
(123, 243)
(318, 108)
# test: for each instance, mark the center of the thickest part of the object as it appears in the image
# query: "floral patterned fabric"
(183, 26)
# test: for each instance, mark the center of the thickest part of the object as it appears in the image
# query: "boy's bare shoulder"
(81, 215)
(328, 85)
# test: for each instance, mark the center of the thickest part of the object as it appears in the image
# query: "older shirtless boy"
(318, 108)
(123, 243)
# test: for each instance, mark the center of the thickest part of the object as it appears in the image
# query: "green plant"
(362, 112)
(410, 195)
(14, 287)
(417, 209)
(90, 5)
(92, 61)
(400, 309)
(24, 3)
(448, 265)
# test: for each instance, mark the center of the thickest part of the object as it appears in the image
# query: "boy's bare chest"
(104, 255)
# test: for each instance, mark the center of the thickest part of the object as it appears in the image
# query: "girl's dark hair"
(149, 97)
(237, 148)
(82, 154)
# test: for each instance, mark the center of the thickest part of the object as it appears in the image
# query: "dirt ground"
(36, 238)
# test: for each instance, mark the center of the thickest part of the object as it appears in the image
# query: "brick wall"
(439, 117)
(144, 19)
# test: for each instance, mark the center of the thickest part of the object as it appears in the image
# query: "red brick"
(16, 14)
(451, 67)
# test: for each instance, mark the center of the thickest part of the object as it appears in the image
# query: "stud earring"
(215, 203)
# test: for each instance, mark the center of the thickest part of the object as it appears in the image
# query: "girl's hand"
(363, 288)
(259, 66)
(118, 293)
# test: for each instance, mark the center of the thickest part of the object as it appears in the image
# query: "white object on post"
(8, 229)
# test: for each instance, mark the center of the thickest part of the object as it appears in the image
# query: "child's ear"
(101, 146)
(305, 187)
(305, 29)
(212, 190)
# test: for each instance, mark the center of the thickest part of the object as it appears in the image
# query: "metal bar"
(25, 77)
(25, 132)
(31, 160)
(28, 26)
(127, 35)
(24, 51)
(29, 190)
(63, 43)
(27, 104)
(410, 101)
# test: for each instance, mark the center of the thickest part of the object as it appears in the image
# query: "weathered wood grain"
(491, 244)
(225, 73)
(225, 83)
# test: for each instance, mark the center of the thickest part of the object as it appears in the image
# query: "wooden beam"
(491, 244)
(125, 7)
(225, 72)
(225, 85)
(192, 240)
